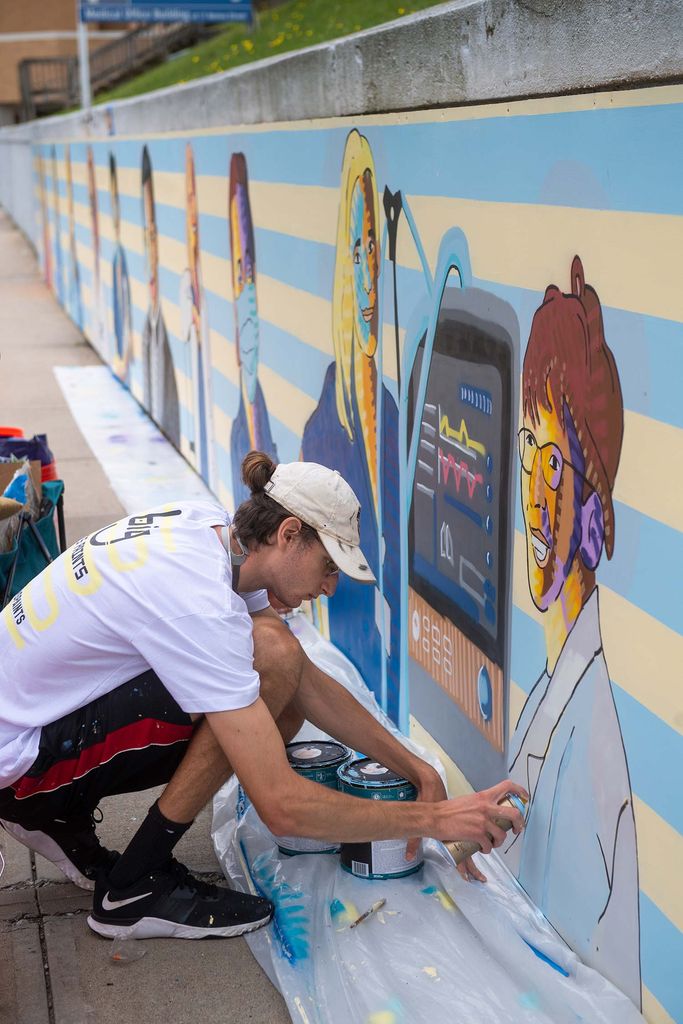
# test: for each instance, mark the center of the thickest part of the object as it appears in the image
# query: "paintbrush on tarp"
(368, 913)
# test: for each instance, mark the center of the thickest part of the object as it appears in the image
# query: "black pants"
(128, 740)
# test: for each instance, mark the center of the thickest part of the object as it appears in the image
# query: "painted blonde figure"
(354, 302)
(46, 250)
(122, 309)
(355, 430)
(73, 286)
(251, 426)
(159, 386)
(195, 331)
(99, 331)
(58, 282)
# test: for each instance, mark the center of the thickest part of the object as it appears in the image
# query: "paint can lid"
(316, 753)
(368, 774)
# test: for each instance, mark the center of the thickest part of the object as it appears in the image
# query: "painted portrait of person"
(160, 390)
(195, 332)
(99, 328)
(355, 429)
(58, 281)
(251, 427)
(44, 223)
(120, 292)
(73, 277)
(577, 857)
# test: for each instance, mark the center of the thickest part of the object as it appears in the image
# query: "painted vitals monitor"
(461, 513)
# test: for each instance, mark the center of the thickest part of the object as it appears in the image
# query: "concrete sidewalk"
(53, 969)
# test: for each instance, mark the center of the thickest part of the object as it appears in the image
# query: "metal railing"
(49, 84)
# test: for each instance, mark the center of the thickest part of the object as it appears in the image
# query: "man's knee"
(278, 659)
(275, 647)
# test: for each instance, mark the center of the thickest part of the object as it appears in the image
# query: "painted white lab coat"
(577, 857)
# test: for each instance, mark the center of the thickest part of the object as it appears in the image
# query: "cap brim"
(350, 560)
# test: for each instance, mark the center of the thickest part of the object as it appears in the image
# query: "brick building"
(37, 28)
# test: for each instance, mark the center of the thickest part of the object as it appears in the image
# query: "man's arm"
(290, 805)
(330, 706)
(326, 703)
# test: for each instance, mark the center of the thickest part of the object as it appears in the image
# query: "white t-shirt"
(151, 591)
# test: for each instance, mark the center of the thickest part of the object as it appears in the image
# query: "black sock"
(149, 849)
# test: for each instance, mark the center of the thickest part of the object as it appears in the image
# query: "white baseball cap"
(322, 498)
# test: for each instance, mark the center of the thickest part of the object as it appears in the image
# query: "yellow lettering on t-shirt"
(166, 527)
(85, 579)
(120, 565)
(8, 619)
(38, 623)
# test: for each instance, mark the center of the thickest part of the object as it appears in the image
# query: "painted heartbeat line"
(459, 438)
(460, 471)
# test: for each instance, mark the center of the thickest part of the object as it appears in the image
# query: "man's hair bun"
(257, 469)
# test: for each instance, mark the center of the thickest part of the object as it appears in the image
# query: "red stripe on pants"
(148, 732)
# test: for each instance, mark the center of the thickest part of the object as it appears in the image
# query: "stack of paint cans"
(383, 858)
(317, 761)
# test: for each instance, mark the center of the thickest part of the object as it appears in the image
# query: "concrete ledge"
(465, 51)
(461, 52)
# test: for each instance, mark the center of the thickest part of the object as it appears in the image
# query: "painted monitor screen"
(458, 522)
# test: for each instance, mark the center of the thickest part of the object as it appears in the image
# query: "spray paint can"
(383, 858)
(463, 848)
(317, 761)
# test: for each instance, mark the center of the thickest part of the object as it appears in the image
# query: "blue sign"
(204, 11)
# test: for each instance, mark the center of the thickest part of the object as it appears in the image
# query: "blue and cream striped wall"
(530, 184)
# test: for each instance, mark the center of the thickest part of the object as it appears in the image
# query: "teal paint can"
(383, 858)
(318, 761)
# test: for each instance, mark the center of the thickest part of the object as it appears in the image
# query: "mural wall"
(476, 317)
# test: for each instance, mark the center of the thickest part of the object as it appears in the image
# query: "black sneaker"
(171, 903)
(72, 845)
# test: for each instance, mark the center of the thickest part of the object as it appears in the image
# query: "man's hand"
(431, 789)
(470, 872)
(473, 817)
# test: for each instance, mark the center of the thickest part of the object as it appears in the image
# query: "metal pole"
(83, 60)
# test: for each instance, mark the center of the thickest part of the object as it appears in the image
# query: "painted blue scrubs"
(355, 607)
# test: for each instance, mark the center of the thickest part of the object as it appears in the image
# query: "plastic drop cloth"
(441, 949)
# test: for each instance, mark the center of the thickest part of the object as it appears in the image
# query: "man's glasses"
(331, 568)
(552, 459)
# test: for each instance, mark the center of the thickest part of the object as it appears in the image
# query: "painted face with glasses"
(564, 533)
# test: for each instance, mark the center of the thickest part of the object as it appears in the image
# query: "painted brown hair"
(239, 176)
(567, 357)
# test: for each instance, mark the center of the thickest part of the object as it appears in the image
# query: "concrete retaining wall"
(466, 51)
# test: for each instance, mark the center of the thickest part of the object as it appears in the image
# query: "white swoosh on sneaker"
(108, 904)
